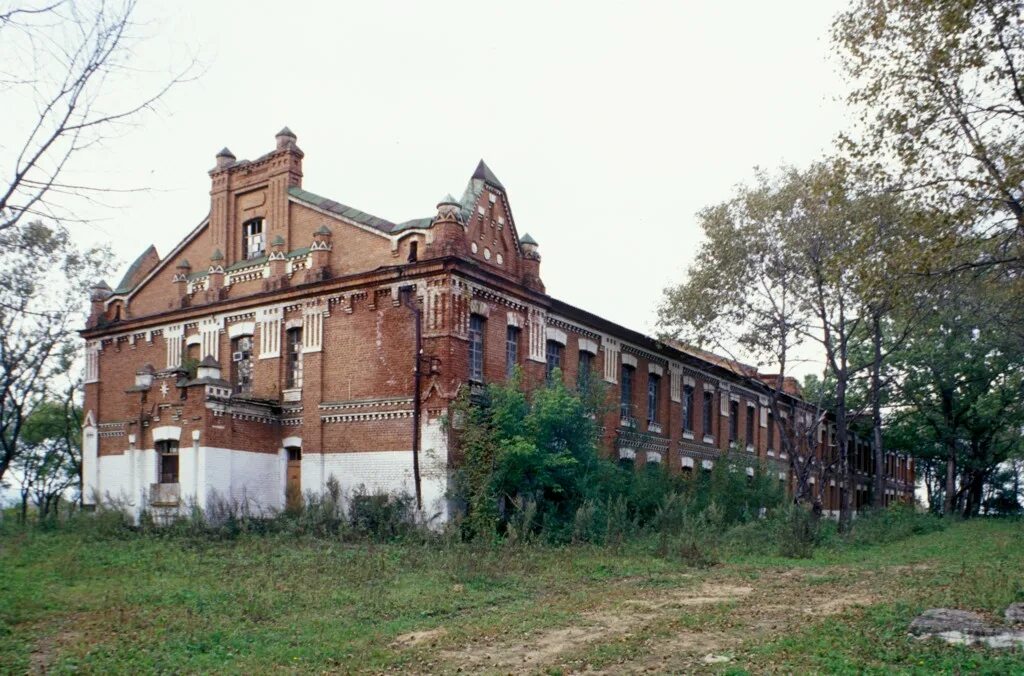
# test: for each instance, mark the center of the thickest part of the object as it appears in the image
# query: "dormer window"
(253, 245)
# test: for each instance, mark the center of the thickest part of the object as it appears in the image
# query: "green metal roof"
(246, 263)
(343, 210)
(474, 188)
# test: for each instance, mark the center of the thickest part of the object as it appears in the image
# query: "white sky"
(610, 125)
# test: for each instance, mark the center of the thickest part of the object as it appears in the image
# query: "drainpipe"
(410, 302)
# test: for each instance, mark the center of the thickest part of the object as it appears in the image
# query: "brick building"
(289, 338)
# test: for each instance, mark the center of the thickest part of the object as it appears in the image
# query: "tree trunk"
(845, 505)
(1016, 483)
(878, 495)
(950, 502)
(973, 492)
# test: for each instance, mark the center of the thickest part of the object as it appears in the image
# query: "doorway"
(293, 484)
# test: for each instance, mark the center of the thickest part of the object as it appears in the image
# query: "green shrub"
(893, 523)
(381, 516)
(797, 531)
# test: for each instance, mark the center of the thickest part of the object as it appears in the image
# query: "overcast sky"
(610, 125)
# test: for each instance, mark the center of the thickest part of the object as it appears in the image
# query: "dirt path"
(695, 625)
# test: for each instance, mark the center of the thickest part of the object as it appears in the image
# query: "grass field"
(73, 602)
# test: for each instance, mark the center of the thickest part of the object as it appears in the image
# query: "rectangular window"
(511, 350)
(476, 348)
(708, 413)
(293, 378)
(653, 385)
(168, 452)
(252, 239)
(583, 374)
(626, 392)
(771, 431)
(750, 424)
(241, 364)
(687, 408)
(734, 415)
(554, 357)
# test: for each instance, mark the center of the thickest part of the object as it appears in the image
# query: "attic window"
(252, 239)
(501, 221)
(492, 197)
(480, 210)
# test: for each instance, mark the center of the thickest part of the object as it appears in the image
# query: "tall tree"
(940, 85)
(959, 385)
(70, 80)
(49, 463)
(799, 259)
(746, 293)
(42, 275)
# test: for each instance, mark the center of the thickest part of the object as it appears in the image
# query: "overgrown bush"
(893, 523)
(381, 516)
(797, 531)
(540, 451)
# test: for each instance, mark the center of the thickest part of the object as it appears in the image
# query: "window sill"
(653, 427)
(687, 435)
(709, 440)
(292, 394)
(750, 449)
(628, 423)
(771, 453)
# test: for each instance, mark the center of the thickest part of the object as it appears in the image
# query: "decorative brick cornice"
(367, 416)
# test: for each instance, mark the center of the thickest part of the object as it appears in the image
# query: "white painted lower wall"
(257, 480)
(387, 471)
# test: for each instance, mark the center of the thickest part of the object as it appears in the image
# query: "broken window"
(168, 452)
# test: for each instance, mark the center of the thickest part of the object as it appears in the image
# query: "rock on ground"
(939, 620)
(1015, 613)
(962, 627)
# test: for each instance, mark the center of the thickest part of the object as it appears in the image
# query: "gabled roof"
(138, 269)
(343, 210)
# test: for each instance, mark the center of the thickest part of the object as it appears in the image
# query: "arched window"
(253, 239)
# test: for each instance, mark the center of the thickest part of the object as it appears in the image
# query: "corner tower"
(249, 199)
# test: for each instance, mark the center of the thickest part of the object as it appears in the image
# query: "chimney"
(97, 295)
(215, 277)
(225, 158)
(449, 230)
(319, 255)
(531, 263)
(181, 273)
(286, 139)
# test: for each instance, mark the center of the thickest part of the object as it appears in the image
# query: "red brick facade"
(274, 267)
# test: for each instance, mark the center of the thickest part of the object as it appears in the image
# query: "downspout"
(417, 375)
